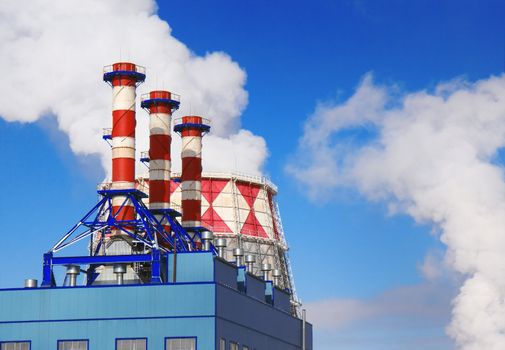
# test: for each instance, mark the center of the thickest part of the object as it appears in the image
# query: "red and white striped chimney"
(124, 78)
(160, 105)
(191, 129)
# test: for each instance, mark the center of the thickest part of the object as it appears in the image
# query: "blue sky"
(296, 54)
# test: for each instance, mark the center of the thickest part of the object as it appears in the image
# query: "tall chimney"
(124, 78)
(161, 105)
(192, 129)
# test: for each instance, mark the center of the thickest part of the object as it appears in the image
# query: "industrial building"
(175, 261)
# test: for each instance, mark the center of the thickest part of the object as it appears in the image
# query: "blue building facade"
(211, 305)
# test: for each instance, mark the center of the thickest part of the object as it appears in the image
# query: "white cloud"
(52, 59)
(435, 267)
(432, 155)
(414, 312)
(427, 302)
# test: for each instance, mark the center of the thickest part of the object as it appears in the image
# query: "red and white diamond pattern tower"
(191, 129)
(123, 77)
(235, 204)
(242, 209)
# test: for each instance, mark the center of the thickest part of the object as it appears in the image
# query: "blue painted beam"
(101, 259)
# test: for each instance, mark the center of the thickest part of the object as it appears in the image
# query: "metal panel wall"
(226, 273)
(255, 324)
(192, 267)
(152, 311)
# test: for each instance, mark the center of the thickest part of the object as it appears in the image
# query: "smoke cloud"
(435, 155)
(52, 59)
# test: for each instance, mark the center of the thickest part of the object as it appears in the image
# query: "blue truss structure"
(146, 228)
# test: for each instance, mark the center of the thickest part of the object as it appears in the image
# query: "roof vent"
(266, 268)
(31, 283)
(220, 245)
(207, 237)
(249, 262)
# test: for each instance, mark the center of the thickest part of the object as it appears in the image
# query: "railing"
(220, 175)
(144, 156)
(147, 96)
(238, 176)
(138, 69)
(205, 121)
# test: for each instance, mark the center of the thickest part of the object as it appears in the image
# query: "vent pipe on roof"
(276, 274)
(265, 268)
(72, 272)
(249, 261)
(31, 283)
(119, 270)
(207, 237)
(220, 245)
(238, 253)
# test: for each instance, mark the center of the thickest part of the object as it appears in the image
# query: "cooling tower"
(243, 210)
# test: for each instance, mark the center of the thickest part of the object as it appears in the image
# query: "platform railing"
(138, 69)
(147, 96)
(205, 121)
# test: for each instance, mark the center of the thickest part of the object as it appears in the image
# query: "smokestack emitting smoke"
(211, 84)
(160, 104)
(124, 78)
(191, 129)
(437, 157)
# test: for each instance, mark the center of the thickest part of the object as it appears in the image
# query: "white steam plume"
(435, 156)
(52, 56)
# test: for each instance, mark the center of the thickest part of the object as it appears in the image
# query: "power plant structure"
(175, 261)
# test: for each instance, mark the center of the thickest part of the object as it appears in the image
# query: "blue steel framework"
(145, 228)
(100, 219)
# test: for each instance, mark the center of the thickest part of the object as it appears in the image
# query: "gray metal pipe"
(265, 268)
(249, 262)
(31, 283)
(238, 253)
(276, 274)
(303, 328)
(119, 270)
(72, 272)
(207, 237)
(220, 245)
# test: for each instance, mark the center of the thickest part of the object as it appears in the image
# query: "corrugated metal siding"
(102, 314)
(254, 324)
